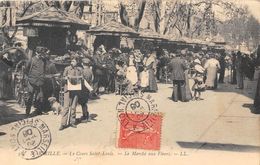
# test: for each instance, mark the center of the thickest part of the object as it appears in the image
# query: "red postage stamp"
(140, 123)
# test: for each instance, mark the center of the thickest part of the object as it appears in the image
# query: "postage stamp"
(30, 138)
(140, 123)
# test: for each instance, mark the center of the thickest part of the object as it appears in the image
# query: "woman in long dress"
(212, 66)
(150, 64)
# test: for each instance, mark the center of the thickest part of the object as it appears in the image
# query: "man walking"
(36, 74)
(177, 67)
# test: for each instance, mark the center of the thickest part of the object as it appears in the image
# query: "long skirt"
(211, 77)
(178, 92)
(233, 76)
(240, 79)
(152, 81)
(187, 87)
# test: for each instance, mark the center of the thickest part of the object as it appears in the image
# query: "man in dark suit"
(50, 86)
(36, 75)
(222, 62)
(177, 67)
(99, 69)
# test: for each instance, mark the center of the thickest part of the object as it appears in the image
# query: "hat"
(172, 55)
(183, 52)
(195, 54)
(40, 49)
(197, 61)
(199, 68)
(201, 53)
(52, 99)
(86, 61)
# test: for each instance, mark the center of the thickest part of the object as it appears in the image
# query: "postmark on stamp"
(30, 138)
(140, 122)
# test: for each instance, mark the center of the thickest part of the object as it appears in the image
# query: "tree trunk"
(141, 7)
(167, 18)
(123, 15)
(66, 5)
(157, 15)
(189, 20)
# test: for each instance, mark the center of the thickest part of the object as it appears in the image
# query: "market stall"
(112, 35)
(148, 39)
(52, 28)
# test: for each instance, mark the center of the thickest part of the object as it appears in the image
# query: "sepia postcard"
(168, 82)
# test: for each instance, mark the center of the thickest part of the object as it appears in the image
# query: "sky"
(253, 6)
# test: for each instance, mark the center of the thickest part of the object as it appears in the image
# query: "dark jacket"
(70, 71)
(87, 75)
(98, 65)
(50, 68)
(177, 67)
(36, 71)
(84, 93)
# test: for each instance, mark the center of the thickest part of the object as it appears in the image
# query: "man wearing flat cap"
(36, 73)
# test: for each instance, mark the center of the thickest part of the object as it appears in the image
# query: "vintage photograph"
(130, 82)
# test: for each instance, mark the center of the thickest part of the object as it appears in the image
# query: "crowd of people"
(91, 73)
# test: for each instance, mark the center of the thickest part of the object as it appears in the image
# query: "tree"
(190, 18)
(138, 13)
(76, 7)
(22, 10)
(28, 7)
(241, 27)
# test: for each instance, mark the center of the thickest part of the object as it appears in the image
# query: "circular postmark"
(137, 113)
(139, 107)
(30, 138)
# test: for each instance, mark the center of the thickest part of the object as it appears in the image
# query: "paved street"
(216, 130)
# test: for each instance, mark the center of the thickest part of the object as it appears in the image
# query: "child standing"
(198, 85)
